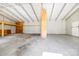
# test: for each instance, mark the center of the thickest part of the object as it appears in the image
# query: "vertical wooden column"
(43, 23)
(2, 29)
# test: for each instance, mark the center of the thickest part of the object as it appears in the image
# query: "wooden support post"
(2, 29)
(43, 23)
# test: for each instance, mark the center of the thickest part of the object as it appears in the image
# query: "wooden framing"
(60, 12)
(26, 12)
(4, 32)
(8, 23)
(34, 12)
(0, 22)
(43, 23)
(19, 12)
(19, 27)
(2, 29)
(52, 11)
(11, 12)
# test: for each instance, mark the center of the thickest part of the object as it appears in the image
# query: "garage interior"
(39, 29)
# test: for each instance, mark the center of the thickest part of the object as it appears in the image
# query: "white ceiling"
(30, 12)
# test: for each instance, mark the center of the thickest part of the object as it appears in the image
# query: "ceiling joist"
(60, 11)
(11, 12)
(34, 12)
(51, 11)
(6, 17)
(26, 12)
(13, 7)
(72, 14)
(69, 11)
(1, 11)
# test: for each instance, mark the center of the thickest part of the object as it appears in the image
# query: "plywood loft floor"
(63, 45)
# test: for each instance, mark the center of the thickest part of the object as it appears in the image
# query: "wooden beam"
(0, 22)
(6, 17)
(8, 23)
(3, 12)
(11, 12)
(60, 11)
(2, 29)
(72, 14)
(13, 7)
(70, 11)
(26, 12)
(43, 23)
(34, 11)
(52, 11)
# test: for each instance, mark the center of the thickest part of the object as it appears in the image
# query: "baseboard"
(73, 35)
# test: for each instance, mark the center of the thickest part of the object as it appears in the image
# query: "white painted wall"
(31, 28)
(72, 19)
(56, 27)
(53, 27)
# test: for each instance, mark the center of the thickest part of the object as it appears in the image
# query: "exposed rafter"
(41, 5)
(13, 7)
(6, 17)
(41, 9)
(34, 11)
(26, 11)
(72, 14)
(60, 11)
(69, 11)
(11, 12)
(51, 11)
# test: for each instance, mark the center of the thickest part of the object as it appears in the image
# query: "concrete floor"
(62, 45)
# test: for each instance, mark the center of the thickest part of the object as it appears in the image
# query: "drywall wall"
(71, 21)
(31, 28)
(56, 27)
(53, 27)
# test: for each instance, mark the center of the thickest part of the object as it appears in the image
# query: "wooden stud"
(2, 29)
